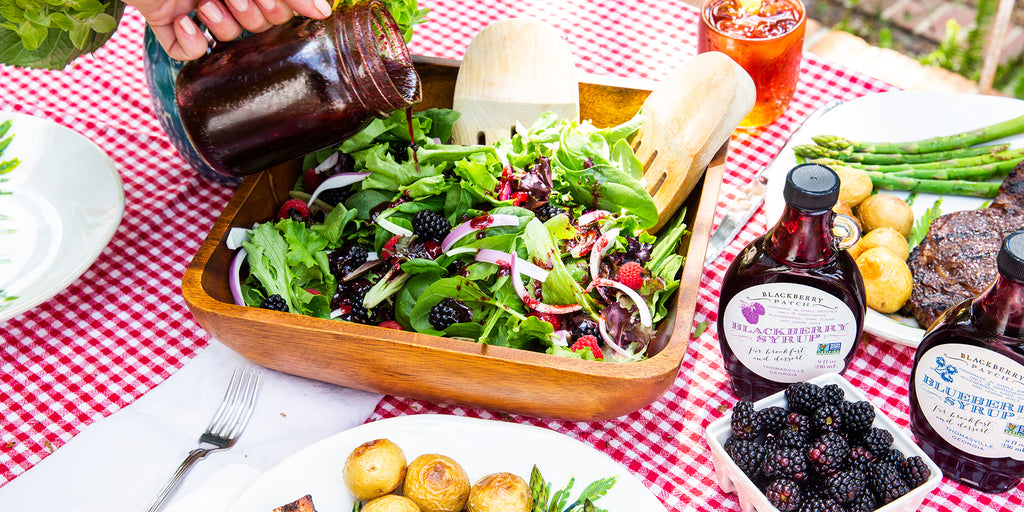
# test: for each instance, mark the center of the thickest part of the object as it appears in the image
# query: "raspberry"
(915, 471)
(429, 225)
(390, 324)
(295, 209)
(784, 462)
(748, 455)
(554, 320)
(632, 275)
(388, 250)
(845, 485)
(588, 341)
(746, 423)
(857, 416)
(275, 302)
(784, 494)
(311, 180)
(447, 312)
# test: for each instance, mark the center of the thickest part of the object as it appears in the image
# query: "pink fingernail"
(188, 26)
(239, 5)
(212, 12)
(268, 4)
(323, 7)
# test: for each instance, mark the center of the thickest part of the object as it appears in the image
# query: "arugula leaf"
(50, 35)
(921, 225)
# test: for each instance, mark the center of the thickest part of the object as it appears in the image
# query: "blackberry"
(784, 494)
(449, 311)
(792, 439)
(748, 455)
(797, 423)
(429, 225)
(352, 292)
(275, 302)
(582, 325)
(803, 397)
(857, 416)
(773, 418)
(877, 440)
(746, 423)
(915, 471)
(343, 260)
(828, 452)
(334, 196)
(860, 458)
(885, 481)
(785, 462)
(863, 502)
(356, 314)
(820, 504)
(828, 418)
(547, 211)
(844, 486)
(891, 455)
(832, 394)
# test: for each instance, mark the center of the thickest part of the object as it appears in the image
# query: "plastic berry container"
(731, 478)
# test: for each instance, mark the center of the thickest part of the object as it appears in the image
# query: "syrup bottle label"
(789, 332)
(974, 399)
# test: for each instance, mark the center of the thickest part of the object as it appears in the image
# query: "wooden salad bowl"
(446, 370)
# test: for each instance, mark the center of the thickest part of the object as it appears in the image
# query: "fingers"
(318, 9)
(248, 15)
(182, 39)
(221, 23)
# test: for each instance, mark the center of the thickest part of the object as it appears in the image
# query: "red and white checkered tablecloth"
(123, 327)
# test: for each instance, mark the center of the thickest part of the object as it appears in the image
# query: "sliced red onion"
(561, 338)
(641, 306)
(337, 181)
(608, 339)
(600, 247)
(461, 250)
(362, 269)
(235, 237)
(592, 216)
(393, 228)
(478, 224)
(532, 303)
(335, 313)
(504, 258)
(235, 277)
(327, 163)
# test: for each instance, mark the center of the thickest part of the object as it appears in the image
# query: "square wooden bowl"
(442, 369)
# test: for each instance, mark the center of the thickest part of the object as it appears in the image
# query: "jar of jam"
(262, 100)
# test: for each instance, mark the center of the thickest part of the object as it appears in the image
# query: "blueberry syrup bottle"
(967, 384)
(792, 304)
(271, 97)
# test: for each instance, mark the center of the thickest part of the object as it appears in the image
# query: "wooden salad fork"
(227, 425)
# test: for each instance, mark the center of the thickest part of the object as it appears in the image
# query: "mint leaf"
(50, 34)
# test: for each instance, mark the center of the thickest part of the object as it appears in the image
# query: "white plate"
(480, 446)
(60, 208)
(897, 117)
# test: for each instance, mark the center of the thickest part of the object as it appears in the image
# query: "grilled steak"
(957, 258)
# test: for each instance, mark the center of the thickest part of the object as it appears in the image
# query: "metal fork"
(226, 426)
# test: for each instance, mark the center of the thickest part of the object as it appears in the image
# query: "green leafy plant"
(50, 34)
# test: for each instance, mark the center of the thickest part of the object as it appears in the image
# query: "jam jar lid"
(811, 187)
(1011, 256)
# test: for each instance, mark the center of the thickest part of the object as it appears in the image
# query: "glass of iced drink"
(766, 38)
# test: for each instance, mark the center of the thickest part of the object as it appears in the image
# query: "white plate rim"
(87, 255)
(902, 107)
(266, 492)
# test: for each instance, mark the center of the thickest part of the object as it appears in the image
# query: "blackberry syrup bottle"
(268, 98)
(967, 385)
(792, 304)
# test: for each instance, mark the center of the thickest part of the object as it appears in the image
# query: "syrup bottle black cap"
(812, 187)
(1011, 256)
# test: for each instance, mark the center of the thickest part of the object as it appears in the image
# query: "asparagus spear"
(979, 173)
(941, 187)
(939, 143)
(1006, 159)
(815, 151)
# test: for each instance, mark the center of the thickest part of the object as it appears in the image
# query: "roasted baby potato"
(887, 279)
(391, 503)
(374, 468)
(500, 492)
(436, 483)
(885, 210)
(884, 237)
(854, 184)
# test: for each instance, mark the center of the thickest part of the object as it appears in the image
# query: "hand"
(225, 19)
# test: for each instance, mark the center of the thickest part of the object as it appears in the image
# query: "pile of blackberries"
(821, 453)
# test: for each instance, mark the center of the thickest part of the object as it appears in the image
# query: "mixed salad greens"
(537, 242)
